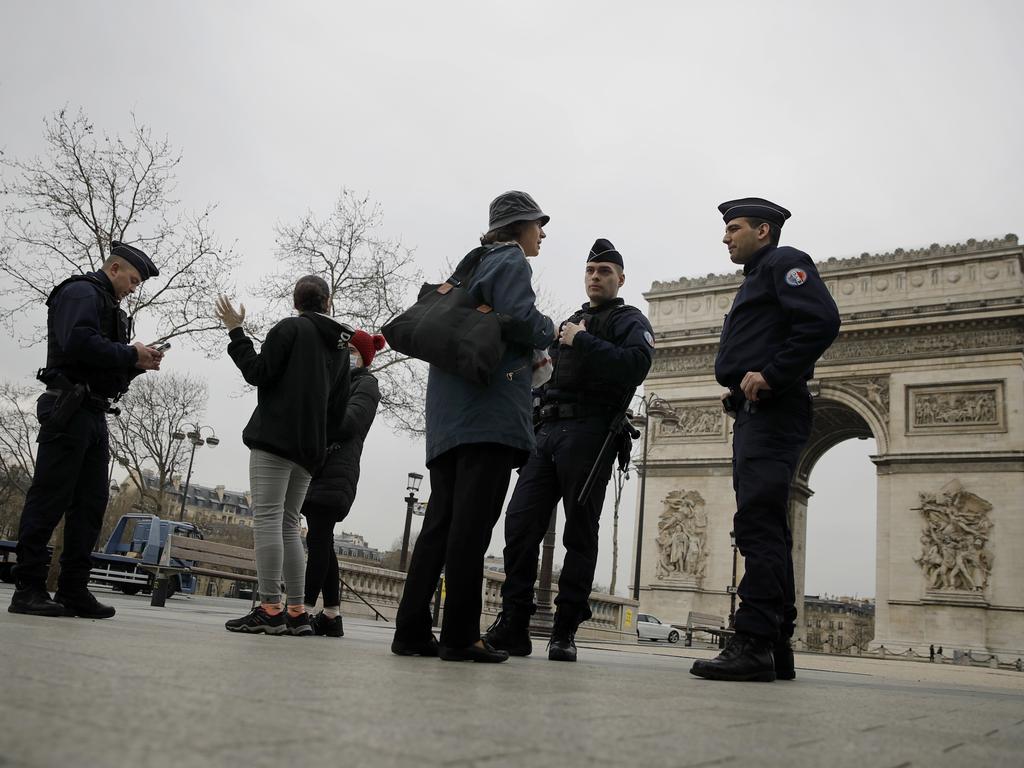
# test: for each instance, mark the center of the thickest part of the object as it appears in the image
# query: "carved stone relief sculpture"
(695, 421)
(682, 537)
(955, 555)
(975, 407)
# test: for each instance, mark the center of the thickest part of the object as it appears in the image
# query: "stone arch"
(929, 362)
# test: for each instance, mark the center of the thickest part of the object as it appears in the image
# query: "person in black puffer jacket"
(332, 491)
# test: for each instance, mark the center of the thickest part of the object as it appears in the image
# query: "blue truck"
(136, 542)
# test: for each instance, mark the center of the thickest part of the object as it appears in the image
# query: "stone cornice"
(944, 309)
(927, 340)
(899, 256)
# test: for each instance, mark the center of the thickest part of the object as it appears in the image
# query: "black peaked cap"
(755, 208)
(136, 257)
(603, 250)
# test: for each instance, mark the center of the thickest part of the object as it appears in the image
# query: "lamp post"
(650, 407)
(732, 587)
(195, 436)
(412, 486)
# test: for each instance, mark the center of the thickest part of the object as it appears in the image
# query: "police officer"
(89, 362)
(603, 353)
(781, 322)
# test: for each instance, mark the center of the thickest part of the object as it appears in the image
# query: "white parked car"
(649, 627)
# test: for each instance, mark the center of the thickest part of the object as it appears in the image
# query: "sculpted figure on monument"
(682, 536)
(954, 554)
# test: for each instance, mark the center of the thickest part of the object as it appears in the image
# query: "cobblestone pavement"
(170, 687)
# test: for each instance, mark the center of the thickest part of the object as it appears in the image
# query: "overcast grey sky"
(879, 124)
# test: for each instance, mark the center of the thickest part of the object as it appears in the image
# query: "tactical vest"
(568, 378)
(115, 325)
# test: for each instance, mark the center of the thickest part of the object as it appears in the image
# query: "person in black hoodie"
(301, 375)
(333, 488)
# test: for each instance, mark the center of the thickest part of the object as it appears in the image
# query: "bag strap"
(468, 266)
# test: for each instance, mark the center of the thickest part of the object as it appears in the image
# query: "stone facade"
(929, 364)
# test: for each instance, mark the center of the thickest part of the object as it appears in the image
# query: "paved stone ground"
(170, 687)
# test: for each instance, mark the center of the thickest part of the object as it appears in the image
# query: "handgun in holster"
(68, 402)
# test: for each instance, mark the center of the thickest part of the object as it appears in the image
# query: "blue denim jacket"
(460, 412)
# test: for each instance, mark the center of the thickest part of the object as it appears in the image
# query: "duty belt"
(556, 411)
(92, 402)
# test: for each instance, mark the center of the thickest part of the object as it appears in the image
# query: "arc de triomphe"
(928, 363)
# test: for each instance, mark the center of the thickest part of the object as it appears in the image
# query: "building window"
(840, 641)
(840, 625)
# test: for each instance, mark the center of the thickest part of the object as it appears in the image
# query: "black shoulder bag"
(448, 328)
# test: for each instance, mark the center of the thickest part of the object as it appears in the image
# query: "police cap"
(754, 208)
(603, 250)
(136, 258)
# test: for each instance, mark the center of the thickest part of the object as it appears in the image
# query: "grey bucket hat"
(515, 206)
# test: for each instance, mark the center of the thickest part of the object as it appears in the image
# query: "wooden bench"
(708, 623)
(208, 558)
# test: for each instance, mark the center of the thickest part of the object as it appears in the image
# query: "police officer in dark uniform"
(782, 320)
(603, 353)
(89, 363)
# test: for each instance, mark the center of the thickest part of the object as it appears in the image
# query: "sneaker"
(34, 601)
(745, 658)
(510, 633)
(258, 621)
(298, 625)
(326, 627)
(81, 602)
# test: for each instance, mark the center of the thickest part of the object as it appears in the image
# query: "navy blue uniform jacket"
(782, 320)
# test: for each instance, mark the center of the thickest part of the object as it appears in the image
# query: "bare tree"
(18, 430)
(63, 209)
(369, 277)
(141, 436)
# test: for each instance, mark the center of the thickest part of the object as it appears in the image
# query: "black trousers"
(70, 481)
(322, 562)
(467, 488)
(566, 451)
(767, 444)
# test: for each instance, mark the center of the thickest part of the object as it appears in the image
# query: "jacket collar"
(616, 302)
(757, 258)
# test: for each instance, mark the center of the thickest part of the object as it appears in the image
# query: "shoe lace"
(499, 620)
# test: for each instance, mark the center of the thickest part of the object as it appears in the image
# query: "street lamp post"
(651, 407)
(413, 485)
(195, 436)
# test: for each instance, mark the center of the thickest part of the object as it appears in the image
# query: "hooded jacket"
(333, 489)
(301, 375)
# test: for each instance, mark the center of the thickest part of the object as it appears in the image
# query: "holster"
(68, 403)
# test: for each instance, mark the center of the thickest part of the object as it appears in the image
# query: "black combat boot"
(562, 645)
(782, 653)
(510, 632)
(745, 658)
(34, 600)
(79, 601)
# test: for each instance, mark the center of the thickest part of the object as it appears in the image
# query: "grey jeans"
(278, 490)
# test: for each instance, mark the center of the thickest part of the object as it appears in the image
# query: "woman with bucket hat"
(476, 434)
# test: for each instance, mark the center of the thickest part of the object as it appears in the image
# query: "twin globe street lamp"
(195, 436)
(651, 407)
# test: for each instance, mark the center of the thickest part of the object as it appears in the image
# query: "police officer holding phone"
(782, 320)
(89, 363)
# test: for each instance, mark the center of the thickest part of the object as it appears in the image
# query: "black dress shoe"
(745, 658)
(782, 653)
(34, 601)
(485, 654)
(415, 648)
(84, 604)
